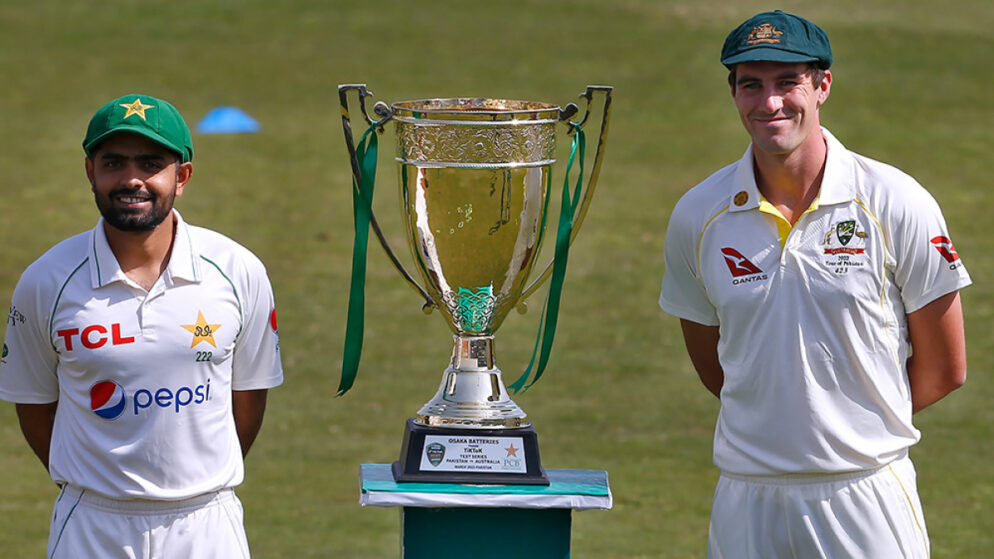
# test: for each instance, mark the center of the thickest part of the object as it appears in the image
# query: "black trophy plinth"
(471, 456)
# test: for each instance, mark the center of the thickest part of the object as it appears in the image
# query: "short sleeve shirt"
(812, 318)
(143, 379)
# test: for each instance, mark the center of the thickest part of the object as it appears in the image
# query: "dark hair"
(817, 74)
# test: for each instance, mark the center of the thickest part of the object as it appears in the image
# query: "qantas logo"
(945, 248)
(743, 271)
(739, 265)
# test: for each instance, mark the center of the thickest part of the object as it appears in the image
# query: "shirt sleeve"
(28, 373)
(684, 293)
(256, 363)
(927, 265)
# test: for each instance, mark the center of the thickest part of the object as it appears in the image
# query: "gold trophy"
(475, 185)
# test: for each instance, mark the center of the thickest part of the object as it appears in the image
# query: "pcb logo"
(845, 231)
(435, 453)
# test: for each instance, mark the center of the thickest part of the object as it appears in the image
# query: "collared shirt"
(143, 378)
(813, 317)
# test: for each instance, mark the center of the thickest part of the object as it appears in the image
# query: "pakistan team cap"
(153, 118)
(777, 37)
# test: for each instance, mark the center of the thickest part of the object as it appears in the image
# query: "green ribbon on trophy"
(362, 210)
(550, 312)
(362, 200)
(476, 189)
(491, 159)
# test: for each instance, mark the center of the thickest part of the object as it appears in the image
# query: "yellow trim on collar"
(783, 225)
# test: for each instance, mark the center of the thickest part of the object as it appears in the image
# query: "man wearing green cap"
(141, 356)
(803, 276)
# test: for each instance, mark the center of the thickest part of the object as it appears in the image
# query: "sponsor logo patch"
(945, 248)
(94, 336)
(108, 399)
(15, 317)
(742, 269)
(739, 265)
(272, 324)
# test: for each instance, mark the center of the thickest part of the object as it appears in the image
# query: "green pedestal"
(485, 533)
(456, 521)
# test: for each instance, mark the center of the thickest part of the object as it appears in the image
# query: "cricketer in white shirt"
(143, 379)
(813, 327)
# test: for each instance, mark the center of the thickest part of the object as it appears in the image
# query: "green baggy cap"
(153, 118)
(777, 37)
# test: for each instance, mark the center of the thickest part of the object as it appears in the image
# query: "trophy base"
(473, 456)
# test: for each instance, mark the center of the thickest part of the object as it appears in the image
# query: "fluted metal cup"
(475, 181)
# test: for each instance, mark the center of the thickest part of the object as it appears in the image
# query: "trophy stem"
(472, 394)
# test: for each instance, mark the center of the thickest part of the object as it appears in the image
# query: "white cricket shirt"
(813, 327)
(143, 379)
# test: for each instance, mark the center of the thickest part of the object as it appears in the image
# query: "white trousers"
(870, 514)
(209, 526)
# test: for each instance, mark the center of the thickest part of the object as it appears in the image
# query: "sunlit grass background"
(912, 87)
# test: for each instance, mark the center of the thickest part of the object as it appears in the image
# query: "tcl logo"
(93, 337)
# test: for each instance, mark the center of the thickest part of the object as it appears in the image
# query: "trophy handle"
(588, 194)
(385, 113)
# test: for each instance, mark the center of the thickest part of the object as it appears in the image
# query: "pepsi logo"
(107, 399)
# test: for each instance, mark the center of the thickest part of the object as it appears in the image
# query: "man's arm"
(37, 422)
(702, 345)
(937, 365)
(248, 407)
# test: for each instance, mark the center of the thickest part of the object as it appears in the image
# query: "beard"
(133, 221)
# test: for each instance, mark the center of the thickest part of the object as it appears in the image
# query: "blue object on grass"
(227, 120)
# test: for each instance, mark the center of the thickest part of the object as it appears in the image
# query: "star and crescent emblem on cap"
(202, 331)
(136, 108)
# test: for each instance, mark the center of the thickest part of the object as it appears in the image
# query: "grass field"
(912, 87)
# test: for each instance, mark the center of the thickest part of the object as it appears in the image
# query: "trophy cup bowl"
(475, 177)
